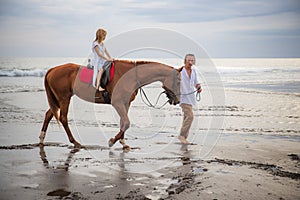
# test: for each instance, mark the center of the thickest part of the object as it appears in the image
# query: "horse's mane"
(139, 62)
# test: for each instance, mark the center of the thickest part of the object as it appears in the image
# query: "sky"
(224, 28)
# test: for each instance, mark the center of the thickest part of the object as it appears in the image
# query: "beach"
(245, 146)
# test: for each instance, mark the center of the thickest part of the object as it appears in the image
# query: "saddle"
(108, 73)
(86, 74)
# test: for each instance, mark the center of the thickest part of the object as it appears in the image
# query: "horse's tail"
(52, 100)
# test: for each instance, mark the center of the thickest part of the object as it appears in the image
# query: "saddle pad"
(86, 75)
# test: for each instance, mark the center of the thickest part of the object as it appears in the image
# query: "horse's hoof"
(126, 148)
(111, 142)
(122, 141)
(41, 144)
(77, 145)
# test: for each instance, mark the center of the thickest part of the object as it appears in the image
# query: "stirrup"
(106, 96)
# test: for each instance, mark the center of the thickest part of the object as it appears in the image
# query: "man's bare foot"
(183, 140)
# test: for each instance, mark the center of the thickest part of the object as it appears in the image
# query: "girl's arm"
(106, 52)
(100, 54)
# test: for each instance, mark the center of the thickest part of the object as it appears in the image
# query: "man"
(189, 83)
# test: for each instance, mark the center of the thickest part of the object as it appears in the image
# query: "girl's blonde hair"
(100, 35)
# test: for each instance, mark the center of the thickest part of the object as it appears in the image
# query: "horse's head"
(172, 86)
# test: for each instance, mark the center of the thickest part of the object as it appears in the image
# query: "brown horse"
(62, 82)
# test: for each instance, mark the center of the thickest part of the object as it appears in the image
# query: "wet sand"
(239, 167)
(254, 155)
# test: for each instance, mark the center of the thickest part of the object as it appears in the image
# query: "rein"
(198, 95)
(142, 92)
(148, 102)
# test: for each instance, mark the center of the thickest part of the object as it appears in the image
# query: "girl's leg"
(98, 79)
(95, 73)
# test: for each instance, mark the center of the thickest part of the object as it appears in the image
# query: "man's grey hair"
(189, 54)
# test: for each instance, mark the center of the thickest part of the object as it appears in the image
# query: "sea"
(23, 99)
(274, 75)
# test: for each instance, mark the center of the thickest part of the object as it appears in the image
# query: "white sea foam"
(252, 70)
(14, 89)
(23, 72)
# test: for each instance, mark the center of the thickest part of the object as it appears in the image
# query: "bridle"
(167, 91)
(145, 99)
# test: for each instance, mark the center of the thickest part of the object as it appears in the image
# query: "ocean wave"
(252, 70)
(14, 89)
(22, 72)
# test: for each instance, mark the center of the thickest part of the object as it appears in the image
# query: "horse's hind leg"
(48, 117)
(64, 108)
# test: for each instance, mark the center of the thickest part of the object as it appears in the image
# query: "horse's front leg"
(124, 123)
(120, 137)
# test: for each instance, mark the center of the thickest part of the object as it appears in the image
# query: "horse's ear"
(179, 69)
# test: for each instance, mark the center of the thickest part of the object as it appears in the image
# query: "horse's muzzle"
(173, 102)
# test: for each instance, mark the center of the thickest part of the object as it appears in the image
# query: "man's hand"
(199, 89)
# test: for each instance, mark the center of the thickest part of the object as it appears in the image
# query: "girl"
(100, 56)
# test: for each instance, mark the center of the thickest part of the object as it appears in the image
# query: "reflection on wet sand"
(58, 177)
(186, 154)
(93, 170)
(66, 163)
(121, 161)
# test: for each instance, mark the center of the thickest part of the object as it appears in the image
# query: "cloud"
(67, 27)
(201, 11)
